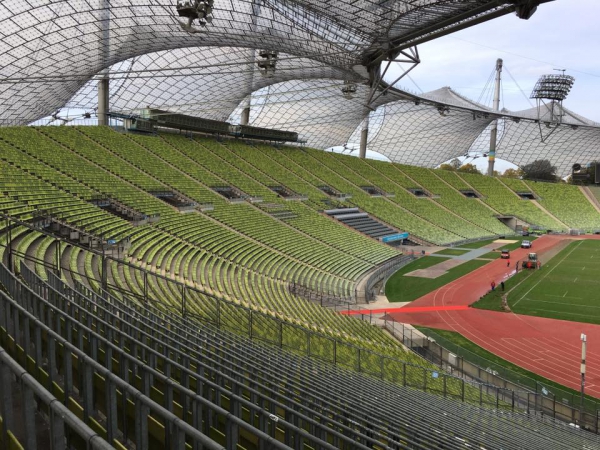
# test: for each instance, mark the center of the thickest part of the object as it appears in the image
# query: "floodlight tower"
(494, 130)
(549, 93)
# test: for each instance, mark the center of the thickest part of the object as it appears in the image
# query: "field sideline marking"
(528, 299)
(561, 296)
(547, 273)
(566, 313)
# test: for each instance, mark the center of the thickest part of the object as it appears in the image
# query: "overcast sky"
(562, 34)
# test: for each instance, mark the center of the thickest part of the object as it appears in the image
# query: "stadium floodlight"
(200, 10)
(268, 62)
(349, 89)
(553, 87)
(549, 93)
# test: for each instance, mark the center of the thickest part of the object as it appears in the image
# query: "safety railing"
(531, 395)
(138, 352)
(381, 274)
(20, 428)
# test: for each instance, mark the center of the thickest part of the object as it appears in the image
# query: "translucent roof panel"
(441, 125)
(426, 132)
(49, 49)
(205, 81)
(316, 109)
(521, 143)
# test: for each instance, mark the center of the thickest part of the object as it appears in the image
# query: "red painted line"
(406, 309)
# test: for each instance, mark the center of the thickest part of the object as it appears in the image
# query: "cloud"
(561, 34)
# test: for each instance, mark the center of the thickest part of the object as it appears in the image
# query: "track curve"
(548, 347)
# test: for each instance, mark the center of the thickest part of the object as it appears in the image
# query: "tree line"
(539, 170)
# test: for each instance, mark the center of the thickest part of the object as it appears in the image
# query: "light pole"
(583, 348)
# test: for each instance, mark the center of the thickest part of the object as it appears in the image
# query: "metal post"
(104, 268)
(245, 118)
(494, 130)
(104, 50)
(9, 245)
(364, 134)
(58, 264)
(583, 349)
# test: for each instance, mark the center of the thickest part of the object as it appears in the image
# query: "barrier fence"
(34, 399)
(558, 403)
(382, 273)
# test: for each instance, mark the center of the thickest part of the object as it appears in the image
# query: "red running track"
(548, 347)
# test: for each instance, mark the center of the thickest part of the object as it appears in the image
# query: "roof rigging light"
(268, 62)
(196, 9)
(349, 89)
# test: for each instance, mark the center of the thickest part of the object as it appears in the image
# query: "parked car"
(526, 244)
(505, 254)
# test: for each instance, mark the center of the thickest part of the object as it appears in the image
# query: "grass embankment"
(400, 288)
(479, 244)
(452, 252)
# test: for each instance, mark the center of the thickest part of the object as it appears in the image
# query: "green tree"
(451, 166)
(469, 168)
(541, 169)
(512, 173)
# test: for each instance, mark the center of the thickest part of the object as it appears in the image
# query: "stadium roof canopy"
(49, 49)
(53, 52)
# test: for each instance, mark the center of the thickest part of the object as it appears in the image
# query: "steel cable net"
(429, 130)
(316, 109)
(441, 125)
(575, 140)
(209, 82)
(50, 48)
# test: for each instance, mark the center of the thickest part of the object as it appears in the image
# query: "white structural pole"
(245, 118)
(247, 102)
(583, 349)
(494, 131)
(364, 134)
(104, 46)
(103, 101)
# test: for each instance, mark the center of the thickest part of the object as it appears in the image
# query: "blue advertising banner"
(394, 237)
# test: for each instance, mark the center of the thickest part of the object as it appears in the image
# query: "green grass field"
(452, 252)
(564, 288)
(479, 244)
(406, 289)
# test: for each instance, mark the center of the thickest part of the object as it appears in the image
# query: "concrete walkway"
(471, 254)
(474, 253)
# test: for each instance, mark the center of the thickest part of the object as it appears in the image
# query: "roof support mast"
(104, 47)
(494, 131)
(247, 102)
(364, 134)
